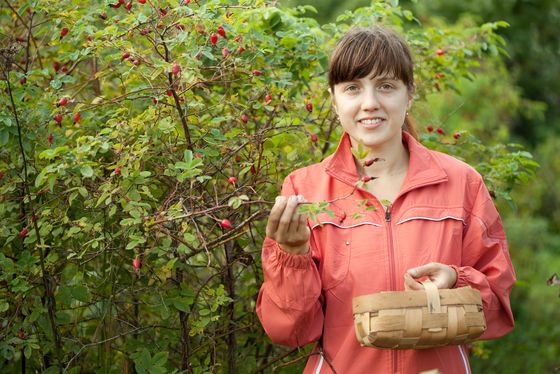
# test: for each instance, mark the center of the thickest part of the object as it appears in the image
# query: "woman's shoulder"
(456, 168)
(309, 173)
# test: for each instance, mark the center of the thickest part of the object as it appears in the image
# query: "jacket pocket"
(333, 239)
(427, 234)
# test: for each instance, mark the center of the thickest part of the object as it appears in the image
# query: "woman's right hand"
(287, 227)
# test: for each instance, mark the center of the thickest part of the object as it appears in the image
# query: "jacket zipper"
(392, 271)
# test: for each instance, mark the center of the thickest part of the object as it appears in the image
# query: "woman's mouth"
(371, 123)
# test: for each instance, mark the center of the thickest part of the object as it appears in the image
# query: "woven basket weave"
(418, 319)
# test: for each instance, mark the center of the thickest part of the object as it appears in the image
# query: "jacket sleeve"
(289, 304)
(486, 264)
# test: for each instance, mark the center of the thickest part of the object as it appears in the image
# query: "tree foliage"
(142, 145)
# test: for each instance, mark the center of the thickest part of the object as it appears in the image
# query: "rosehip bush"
(125, 245)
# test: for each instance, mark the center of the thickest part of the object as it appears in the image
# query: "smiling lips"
(370, 123)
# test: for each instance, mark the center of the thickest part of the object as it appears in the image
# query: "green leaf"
(160, 359)
(4, 306)
(86, 171)
(4, 137)
(41, 178)
(80, 293)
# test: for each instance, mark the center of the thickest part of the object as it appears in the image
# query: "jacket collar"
(423, 169)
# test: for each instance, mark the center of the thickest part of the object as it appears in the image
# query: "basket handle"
(432, 294)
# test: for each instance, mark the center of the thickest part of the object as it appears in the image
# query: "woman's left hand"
(441, 275)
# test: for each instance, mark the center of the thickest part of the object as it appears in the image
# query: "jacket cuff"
(284, 258)
(462, 280)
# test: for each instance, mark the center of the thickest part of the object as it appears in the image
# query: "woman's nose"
(369, 100)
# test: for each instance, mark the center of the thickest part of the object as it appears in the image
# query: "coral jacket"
(443, 213)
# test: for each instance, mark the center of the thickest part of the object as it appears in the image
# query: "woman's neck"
(391, 160)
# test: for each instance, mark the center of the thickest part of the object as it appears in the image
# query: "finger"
(275, 215)
(301, 223)
(286, 224)
(424, 270)
(411, 284)
(301, 218)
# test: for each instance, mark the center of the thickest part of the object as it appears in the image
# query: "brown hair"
(377, 51)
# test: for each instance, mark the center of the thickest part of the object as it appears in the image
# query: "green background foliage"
(144, 173)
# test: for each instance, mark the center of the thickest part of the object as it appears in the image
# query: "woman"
(431, 216)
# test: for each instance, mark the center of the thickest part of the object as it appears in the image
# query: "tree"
(142, 145)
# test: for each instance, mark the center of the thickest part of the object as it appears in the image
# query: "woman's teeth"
(371, 121)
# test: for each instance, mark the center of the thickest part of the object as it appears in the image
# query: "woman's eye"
(386, 86)
(351, 88)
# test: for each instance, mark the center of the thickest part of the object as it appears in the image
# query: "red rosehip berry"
(117, 5)
(64, 32)
(23, 233)
(267, 98)
(240, 49)
(198, 56)
(23, 80)
(221, 31)
(136, 263)
(20, 39)
(136, 62)
(176, 69)
(430, 128)
(232, 180)
(121, 1)
(237, 38)
(440, 52)
(1, 175)
(63, 101)
(314, 138)
(124, 56)
(128, 5)
(58, 118)
(253, 170)
(257, 72)
(180, 27)
(226, 224)
(440, 131)
(142, 1)
(50, 139)
(225, 52)
(169, 93)
(77, 117)
(163, 12)
(439, 75)
(56, 66)
(456, 135)
(197, 155)
(117, 171)
(244, 118)
(237, 159)
(309, 107)
(144, 32)
(214, 38)
(371, 161)
(21, 334)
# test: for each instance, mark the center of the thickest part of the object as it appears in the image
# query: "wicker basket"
(418, 319)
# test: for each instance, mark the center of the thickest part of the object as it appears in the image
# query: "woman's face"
(372, 110)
